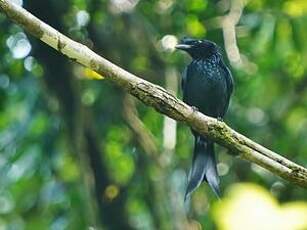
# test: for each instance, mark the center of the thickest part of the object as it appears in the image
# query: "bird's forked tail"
(203, 167)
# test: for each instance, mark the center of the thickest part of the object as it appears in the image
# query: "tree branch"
(158, 98)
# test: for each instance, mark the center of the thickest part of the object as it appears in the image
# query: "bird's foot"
(195, 109)
(220, 119)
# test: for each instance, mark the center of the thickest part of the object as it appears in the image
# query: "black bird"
(207, 85)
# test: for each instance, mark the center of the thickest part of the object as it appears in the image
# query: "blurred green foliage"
(70, 155)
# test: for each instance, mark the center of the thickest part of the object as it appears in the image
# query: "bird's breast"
(206, 88)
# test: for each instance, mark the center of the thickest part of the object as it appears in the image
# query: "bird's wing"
(228, 77)
(184, 81)
(229, 84)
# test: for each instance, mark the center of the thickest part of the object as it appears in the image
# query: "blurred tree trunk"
(59, 80)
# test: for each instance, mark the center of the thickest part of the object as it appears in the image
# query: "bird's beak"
(183, 46)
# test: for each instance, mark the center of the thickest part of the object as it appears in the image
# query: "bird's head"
(198, 48)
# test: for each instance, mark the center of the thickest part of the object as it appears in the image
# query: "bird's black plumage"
(207, 84)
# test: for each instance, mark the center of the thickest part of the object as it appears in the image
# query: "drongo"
(207, 85)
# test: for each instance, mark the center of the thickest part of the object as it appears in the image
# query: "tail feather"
(211, 175)
(203, 167)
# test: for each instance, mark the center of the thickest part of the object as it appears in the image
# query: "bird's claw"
(195, 109)
(220, 119)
